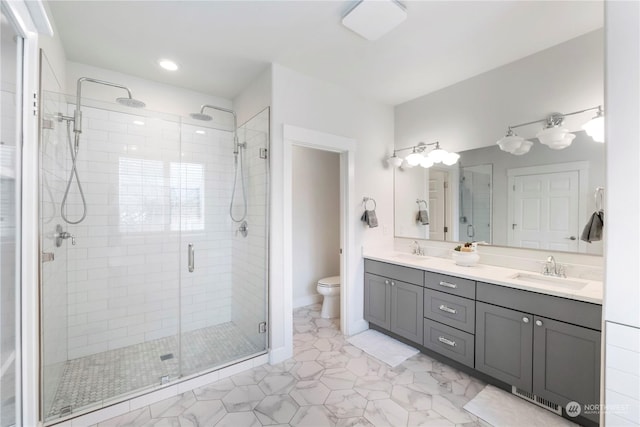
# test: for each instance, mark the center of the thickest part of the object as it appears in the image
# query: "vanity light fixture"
(553, 135)
(420, 156)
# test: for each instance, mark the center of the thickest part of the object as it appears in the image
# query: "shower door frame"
(190, 381)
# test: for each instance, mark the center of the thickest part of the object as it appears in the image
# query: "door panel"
(407, 310)
(545, 211)
(504, 341)
(566, 363)
(377, 300)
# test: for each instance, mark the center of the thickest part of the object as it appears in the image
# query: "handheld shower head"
(131, 102)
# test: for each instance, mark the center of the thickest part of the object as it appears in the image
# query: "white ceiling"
(222, 46)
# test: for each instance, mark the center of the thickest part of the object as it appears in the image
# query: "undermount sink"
(540, 279)
(409, 257)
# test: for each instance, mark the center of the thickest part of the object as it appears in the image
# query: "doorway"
(316, 221)
(345, 148)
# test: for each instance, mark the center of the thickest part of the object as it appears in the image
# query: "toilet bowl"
(329, 288)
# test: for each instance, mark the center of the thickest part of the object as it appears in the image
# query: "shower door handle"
(191, 258)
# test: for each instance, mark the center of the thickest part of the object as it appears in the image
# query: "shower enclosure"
(475, 203)
(157, 283)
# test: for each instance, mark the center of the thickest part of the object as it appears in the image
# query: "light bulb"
(426, 162)
(437, 155)
(394, 161)
(451, 159)
(595, 128)
(414, 159)
(555, 137)
(510, 142)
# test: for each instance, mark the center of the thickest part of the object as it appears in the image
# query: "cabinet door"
(377, 300)
(407, 310)
(504, 344)
(566, 363)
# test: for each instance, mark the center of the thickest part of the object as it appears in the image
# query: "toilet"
(329, 288)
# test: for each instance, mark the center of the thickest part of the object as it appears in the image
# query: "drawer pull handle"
(386, 282)
(448, 309)
(538, 322)
(446, 341)
(448, 285)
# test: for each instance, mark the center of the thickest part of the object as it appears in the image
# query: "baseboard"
(307, 300)
(280, 354)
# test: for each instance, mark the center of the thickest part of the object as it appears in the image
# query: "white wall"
(622, 291)
(306, 102)
(476, 112)
(254, 98)
(316, 221)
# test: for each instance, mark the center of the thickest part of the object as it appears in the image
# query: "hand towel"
(593, 230)
(370, 218)
(423, 217)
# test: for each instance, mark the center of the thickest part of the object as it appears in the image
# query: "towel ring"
(599, 198)
(369, 199)
(426, 206)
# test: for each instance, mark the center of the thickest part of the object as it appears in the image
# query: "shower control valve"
(63, 235)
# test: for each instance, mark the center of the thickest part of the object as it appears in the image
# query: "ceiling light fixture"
(373, 19)
(168, 64)
(420, 156)
(553, 135)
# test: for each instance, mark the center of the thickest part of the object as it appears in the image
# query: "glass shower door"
(223, 262)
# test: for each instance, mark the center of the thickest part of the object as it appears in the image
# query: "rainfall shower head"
(77, 117)
(201, 116)
(130, 102)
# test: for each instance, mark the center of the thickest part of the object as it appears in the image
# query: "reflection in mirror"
(474, 197)
(541, 199)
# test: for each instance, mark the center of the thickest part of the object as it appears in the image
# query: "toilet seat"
(329, 282)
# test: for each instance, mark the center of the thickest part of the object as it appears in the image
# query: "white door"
(438, 199)
(545, 211)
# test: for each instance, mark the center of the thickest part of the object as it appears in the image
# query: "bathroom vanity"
(539, 335)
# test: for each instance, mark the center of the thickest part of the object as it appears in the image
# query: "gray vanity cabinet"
(566, 363)
(377, 300)
(393, 299)
(406, 310)
(504, 344)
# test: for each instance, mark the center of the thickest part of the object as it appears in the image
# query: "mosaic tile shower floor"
(328, 382)
(91, 379)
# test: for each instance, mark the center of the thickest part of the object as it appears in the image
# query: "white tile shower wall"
(54, 175)
(250, 253)
(125, 269)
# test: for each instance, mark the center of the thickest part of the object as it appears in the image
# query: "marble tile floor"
(91, 379)
(328, 382)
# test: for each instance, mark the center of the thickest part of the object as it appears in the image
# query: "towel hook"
(369, 199)
(426, 206)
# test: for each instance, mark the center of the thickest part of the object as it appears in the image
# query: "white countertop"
(590, 292)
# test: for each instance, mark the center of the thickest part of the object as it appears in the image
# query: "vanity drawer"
(451, 285)
(392, 271)
(449, 342)
(451, 310)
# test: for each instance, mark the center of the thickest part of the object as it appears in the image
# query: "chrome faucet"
(551, 268)
(417, 249)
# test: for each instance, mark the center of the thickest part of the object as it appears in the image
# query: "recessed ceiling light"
(200, 132)
(168, 64)
(138, 122)
(373, 19)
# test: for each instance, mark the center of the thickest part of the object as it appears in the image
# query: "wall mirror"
(542, 199)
